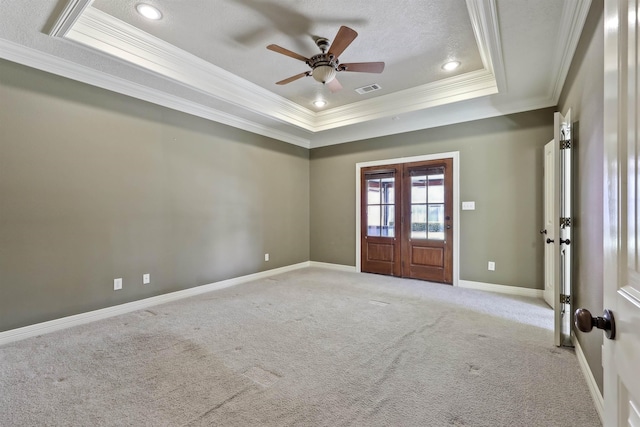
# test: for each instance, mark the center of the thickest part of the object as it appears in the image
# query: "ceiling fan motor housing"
(322, 43)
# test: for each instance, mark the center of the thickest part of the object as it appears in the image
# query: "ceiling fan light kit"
(326, 65)
(324, 73)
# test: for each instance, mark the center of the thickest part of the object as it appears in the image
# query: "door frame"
(455, 155)
(552, 213)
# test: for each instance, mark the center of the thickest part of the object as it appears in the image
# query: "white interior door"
(561, 241)
(621, 355)
(551, 189)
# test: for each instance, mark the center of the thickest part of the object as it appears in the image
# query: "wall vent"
(366, 89)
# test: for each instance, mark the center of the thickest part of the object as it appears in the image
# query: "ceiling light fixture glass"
(148, 11)
(324, 73)
(320, 103)
(451, 65)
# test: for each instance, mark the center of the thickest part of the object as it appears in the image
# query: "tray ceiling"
(210, 58)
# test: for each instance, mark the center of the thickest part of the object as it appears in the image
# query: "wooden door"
(621, 354)
(406, 220)
(427, 210)
(380, 232)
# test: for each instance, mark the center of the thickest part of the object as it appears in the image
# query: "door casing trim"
(455, 155)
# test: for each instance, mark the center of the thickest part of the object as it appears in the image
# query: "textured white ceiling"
(413, 37)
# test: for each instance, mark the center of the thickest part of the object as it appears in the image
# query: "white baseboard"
(339, 267)
(598, 400)
(91, 316)
(502, 289)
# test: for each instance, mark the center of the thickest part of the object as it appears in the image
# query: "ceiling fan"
(325, 65)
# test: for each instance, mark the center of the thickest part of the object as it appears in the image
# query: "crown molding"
(574, 13)
(100, 31)
(68, 17)
(484, 20)
(52, 64)
(453, 89)
(107, 34)
(444, 115)
(490, 80)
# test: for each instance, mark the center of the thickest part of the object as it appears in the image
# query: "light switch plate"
(146, 279)
(117, 284)
(468, 206)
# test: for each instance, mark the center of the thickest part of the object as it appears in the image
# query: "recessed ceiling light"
(320, 103)
(148, 11)
(451, 65)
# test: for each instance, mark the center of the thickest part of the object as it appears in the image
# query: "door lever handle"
(585, 322)
(565, 242)
(543, 231)
(549, 240)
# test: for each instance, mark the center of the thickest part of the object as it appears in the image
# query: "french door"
(407, 220)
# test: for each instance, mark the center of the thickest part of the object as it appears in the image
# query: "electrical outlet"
(492, 266)
(117, 284)
(146, 279)
(266, 257)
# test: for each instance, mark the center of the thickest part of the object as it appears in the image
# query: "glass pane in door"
(435, 222)
(373, 220)
(418, 204)
(418, 221)
(427, 204)
(381, 205)
(388, 221)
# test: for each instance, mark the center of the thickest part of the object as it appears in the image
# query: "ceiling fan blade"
(334, 85)
(279, 49)
(342, 41)
(293, 78)
(363, 67)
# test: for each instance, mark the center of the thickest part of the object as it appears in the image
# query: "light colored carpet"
(313, 347)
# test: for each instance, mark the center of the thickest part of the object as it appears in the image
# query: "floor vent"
(366, 89)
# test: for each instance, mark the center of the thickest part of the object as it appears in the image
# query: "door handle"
(543, 231)
(585, 322)
(565, 242)
(549, 240)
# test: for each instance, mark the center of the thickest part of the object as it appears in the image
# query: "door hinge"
(565, 299)
(565, 222)
(565, 144)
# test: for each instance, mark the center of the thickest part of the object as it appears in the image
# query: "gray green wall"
(583, 92)
(501, 169)
(96, 185)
